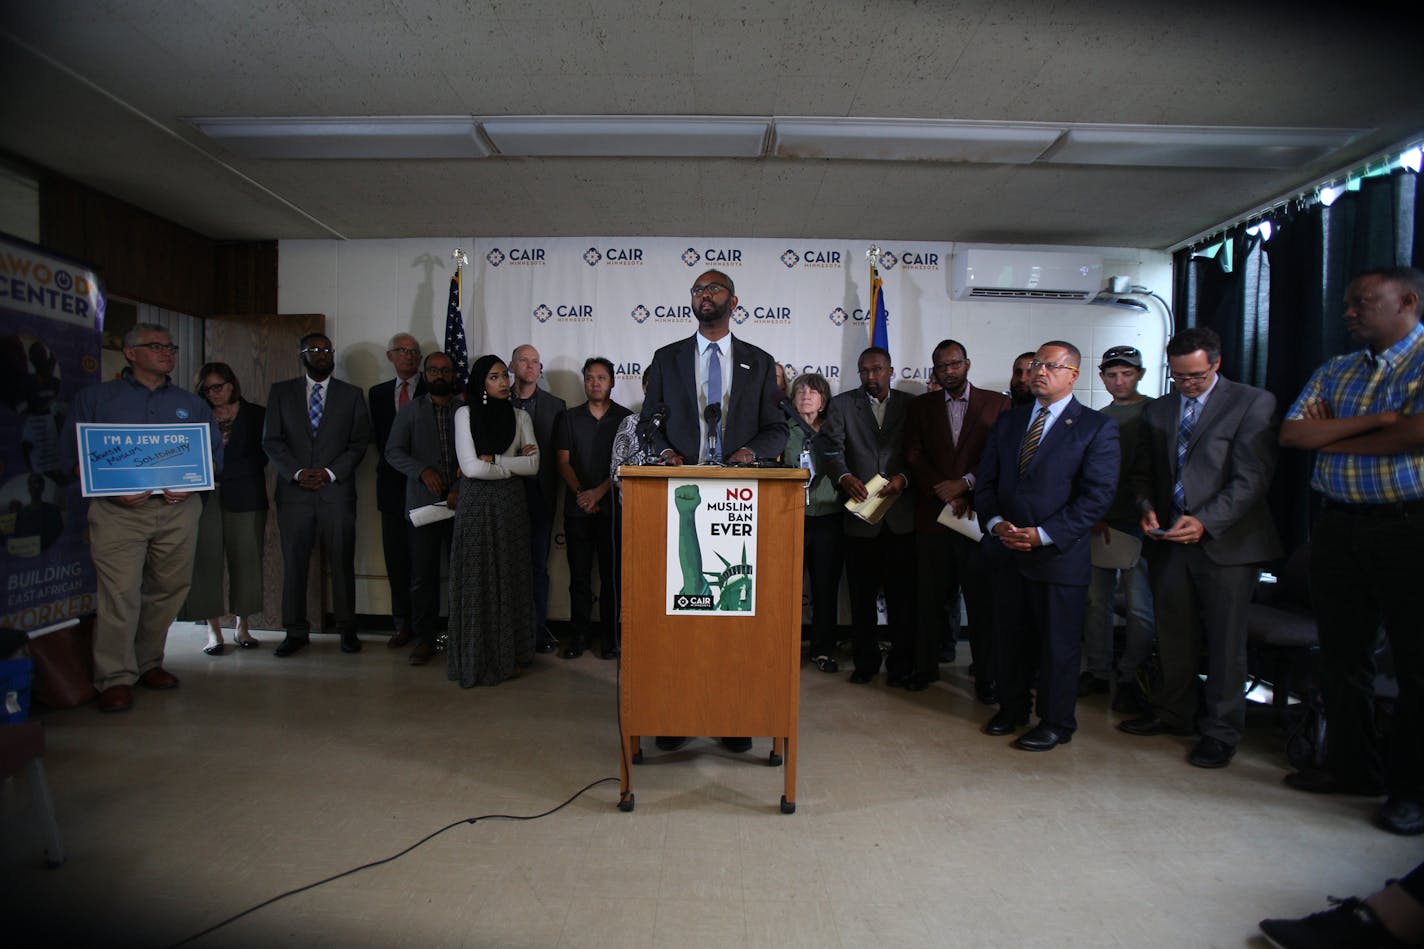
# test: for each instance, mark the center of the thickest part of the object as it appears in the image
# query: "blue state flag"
(879, 315)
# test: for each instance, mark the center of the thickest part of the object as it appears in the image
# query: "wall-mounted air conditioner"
(1005, 273)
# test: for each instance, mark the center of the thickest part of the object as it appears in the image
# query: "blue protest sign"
(129, 459)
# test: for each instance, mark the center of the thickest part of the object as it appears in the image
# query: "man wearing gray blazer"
(315, 435)
(1204, 460)
(866, 429)
(422, 448)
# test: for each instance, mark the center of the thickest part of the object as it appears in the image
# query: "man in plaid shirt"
(1363, 414)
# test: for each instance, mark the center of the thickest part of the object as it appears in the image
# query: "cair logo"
(812, 258)
(662, 314)
(592, 256)
(565, 313)
(526, 256)
(720, 256)
(740, 315)
(614, 256)
(919, 260)
(888, 261)
(839, 316)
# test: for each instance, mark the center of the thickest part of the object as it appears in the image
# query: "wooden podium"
(718, 674)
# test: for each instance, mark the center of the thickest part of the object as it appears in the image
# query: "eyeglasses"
(318, 351)
(1036, 365)
(950, 364)
(204, 390)
(709, 289)
(1122, 352)
(156, 347)
(1189, 376)
(397, 349)
(436, 371)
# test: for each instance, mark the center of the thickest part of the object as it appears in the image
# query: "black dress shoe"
(1005, 722)
(290, 645)
(861, 678)
(1042, 737)
(1401, 815)
(899, 681)
(422, 652)
(737, 744)
(1211, 753)
(350, 642)
(1316, 781)
(986, 692)
(402, 637)
(1148, 725)
(670, 742)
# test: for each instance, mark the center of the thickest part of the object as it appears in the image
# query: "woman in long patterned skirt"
(491, 586)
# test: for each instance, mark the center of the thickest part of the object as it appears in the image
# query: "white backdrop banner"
(802, 301)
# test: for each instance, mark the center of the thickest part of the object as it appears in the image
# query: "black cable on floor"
(396, 856)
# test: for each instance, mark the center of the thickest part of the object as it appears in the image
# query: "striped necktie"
(1031, 440)
(314, 407)
(1184, 435)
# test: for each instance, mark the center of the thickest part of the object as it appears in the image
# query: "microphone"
(652, 421)
(712, 415)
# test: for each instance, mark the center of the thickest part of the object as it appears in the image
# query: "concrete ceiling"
(97, 90)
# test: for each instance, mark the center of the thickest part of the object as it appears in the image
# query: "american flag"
(455, 336)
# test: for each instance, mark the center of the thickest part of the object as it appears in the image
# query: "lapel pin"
(744, 365)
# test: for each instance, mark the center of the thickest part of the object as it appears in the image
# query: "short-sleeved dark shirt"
(589, 442)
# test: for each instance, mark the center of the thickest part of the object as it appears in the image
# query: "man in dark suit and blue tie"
(315, 435)
(715, 368)
(1047, 475)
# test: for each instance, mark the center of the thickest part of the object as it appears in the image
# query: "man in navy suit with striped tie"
(1048, 474)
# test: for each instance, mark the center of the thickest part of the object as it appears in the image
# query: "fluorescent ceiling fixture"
(1328, 195)
(1197, 147)
(912, 140)
(1411, 159)
(393, 136)
(627, 136)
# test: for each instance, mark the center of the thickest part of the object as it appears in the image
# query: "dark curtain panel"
(1293, 285)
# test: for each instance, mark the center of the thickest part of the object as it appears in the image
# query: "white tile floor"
(912, 829)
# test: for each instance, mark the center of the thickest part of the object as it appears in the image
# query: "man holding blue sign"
(142, 543)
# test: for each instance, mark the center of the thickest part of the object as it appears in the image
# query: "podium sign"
(711, 548)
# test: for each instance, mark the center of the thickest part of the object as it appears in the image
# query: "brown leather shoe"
(158, 678)
(401, 638)
(116, 698)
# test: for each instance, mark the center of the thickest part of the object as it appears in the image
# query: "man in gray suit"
(422, 447)
(544, 410)
(316, 433)
(866, 429)
(1204, 459)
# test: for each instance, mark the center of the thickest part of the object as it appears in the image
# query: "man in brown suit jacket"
(944, 437)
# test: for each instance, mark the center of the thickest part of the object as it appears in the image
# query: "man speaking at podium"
(718, 392)
(718, 398)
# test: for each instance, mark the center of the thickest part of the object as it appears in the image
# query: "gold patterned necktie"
(1031, 439)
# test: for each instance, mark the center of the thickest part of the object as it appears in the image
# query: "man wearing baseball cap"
(1121, 370)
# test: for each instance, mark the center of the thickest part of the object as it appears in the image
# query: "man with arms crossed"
(1363, 414)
